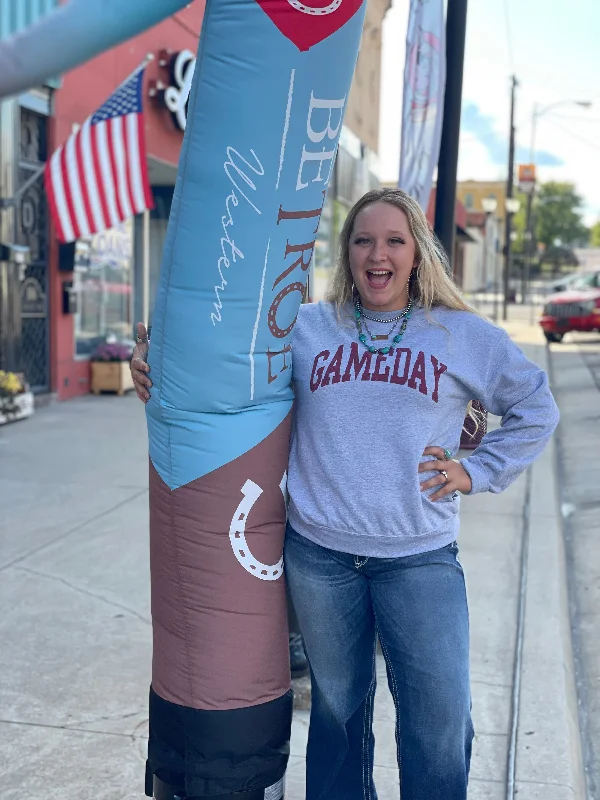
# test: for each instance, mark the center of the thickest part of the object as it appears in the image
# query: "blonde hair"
(430, 282)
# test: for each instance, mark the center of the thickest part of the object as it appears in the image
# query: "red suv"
(577, 309)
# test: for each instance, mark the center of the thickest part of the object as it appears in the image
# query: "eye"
(362, 240)
(397, 240)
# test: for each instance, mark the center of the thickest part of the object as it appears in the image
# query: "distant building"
(483, 255)
(588, 257)
(483, 270)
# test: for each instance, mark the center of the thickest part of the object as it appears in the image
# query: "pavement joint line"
(73, 530)
(71, 730)
(573, 610)
(87, 592)
(484, 780)
(83, 484)
(546, 783)
(109, 718)
(492, 684)
(518, 660)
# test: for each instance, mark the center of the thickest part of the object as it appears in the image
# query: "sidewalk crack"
(75, 529)
(133, 736)
(87, 592)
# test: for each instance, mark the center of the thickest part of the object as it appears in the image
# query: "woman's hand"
(139, 367)
(453, 476)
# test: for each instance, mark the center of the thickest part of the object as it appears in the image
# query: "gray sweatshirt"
(362, 422)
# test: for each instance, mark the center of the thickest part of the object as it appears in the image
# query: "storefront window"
(103, 282)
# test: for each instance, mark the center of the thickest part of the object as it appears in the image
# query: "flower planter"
(23, 406)
(111, 376)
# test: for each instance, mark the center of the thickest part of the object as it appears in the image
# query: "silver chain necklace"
(389, 321)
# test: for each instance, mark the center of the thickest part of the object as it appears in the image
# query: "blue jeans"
(417, 605)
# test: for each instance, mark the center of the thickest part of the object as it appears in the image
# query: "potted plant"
(110, 368)
(16, 400)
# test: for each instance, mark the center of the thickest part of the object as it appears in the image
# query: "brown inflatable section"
(218, 592)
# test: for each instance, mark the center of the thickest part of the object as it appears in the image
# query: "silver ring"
(142, 341)
(444, 473)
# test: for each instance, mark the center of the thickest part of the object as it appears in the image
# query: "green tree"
(595, 235)
(558, 215)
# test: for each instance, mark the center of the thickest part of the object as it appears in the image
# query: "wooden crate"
(111, 376)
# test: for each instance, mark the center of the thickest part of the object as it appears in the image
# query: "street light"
(489, 204)
(537, 113)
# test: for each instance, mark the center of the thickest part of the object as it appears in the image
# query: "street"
(74, 587)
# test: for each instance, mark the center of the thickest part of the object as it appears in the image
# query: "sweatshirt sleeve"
(516, 390)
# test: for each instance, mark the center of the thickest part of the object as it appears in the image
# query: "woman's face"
(382, 255)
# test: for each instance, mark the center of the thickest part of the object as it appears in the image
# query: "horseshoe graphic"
(237, 534)
(316, 12)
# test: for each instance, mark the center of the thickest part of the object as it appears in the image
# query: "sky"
(553, 48)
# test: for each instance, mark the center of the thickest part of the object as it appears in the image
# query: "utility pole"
(445, 201)
(509, 197)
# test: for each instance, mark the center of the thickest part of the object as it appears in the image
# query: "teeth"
(380, 272)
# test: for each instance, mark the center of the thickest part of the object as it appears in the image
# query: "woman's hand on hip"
(453, 477)
(138, 366)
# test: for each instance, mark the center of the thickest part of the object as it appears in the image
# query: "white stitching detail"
(388, 662)
(368, 725)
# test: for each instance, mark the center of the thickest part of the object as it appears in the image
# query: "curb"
(578, 698)
(546, 744)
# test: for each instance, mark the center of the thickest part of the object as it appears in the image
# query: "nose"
(379, 252)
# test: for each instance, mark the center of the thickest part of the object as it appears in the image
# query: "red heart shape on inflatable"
(306, 25)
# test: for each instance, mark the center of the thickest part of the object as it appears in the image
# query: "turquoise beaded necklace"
(362, 337)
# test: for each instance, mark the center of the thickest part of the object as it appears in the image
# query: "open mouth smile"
(378, 278)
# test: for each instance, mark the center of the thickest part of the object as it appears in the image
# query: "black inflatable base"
(162, 791)
(199, 754)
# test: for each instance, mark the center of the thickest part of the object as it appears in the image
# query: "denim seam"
(368, 725)
(388, 662)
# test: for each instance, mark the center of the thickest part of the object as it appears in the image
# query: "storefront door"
(32, 231)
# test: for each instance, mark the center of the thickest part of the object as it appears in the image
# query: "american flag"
(99, 177)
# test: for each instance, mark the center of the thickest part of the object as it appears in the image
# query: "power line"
(574, 135)
(576, 119)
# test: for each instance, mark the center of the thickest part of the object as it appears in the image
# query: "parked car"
(562, 284)
(577, 309)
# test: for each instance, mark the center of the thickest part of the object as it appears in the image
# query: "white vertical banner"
(423, 103)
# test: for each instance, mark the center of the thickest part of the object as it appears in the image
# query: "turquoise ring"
(447, 454)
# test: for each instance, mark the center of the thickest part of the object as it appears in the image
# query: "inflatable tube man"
(265, 114)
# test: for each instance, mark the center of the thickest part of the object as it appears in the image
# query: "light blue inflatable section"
(72, 35)
(263, 126)
(264, 119)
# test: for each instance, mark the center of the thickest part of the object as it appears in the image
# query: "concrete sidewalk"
(75, 626)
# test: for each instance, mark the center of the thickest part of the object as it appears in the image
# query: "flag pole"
(9, 202)
(148, 58)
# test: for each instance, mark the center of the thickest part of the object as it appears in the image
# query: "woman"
(383, 372)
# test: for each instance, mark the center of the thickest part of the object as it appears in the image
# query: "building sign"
(526, 178)
(33, 299)
(176, 95)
